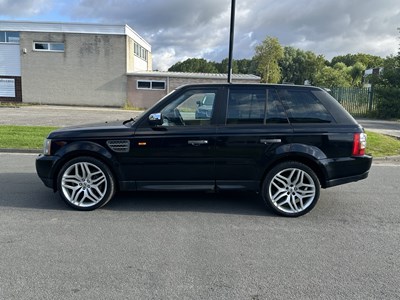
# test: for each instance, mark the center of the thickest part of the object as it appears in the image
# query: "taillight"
(359, 144)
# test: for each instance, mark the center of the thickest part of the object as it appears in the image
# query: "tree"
(245, 66)
(356, 73)
(195, 65)
(267, 56)
(330, 77)
(387, 89)
(297, 65)
(222, 67)
(368, 60)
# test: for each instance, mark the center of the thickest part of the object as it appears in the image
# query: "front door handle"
(198, 142)
(270, 141)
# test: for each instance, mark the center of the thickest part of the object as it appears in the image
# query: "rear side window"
(275, 111)
(249, 106)
(304, 107)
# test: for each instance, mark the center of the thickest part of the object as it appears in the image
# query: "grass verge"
(31, 137)
(23, 137)
(380, 145)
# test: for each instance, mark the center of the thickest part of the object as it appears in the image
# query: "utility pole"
(232, 33)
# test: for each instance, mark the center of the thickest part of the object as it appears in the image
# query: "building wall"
(90, 71)
(145, 98)
(10, 73)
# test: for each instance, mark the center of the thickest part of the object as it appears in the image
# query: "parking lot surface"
(198, 245)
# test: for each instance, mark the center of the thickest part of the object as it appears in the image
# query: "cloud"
(23, 8)
(178, 29)
(190, 28)
(201, 28)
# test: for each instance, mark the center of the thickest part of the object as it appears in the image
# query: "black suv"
(283, 141)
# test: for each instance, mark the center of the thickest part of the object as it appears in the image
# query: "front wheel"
(85, 183)
(291, 189)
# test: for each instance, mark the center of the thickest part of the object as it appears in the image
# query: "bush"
(387, 102)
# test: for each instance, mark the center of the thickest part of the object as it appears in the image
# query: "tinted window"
(275, 110)
(248, 106)
(304, 107)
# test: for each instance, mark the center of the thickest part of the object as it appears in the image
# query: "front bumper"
(45, 169)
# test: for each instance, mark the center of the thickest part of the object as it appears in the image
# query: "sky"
(181, 29)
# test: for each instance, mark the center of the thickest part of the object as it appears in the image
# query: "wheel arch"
(303, 158)
(80, 149)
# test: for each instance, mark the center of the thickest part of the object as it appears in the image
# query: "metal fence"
(357, 101)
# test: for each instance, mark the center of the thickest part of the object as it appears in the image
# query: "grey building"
(85, 64)
(146, 88)
(69, 63)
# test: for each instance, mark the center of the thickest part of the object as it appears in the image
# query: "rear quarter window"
(303, 107)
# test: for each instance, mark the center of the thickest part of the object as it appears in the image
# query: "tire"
(291, 189)
(85, 183)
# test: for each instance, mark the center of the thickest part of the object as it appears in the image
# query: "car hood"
(96, 130)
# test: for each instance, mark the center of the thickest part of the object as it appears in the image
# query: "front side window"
(191, 108)
(304, 107)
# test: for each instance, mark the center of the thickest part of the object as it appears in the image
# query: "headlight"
(47, 147)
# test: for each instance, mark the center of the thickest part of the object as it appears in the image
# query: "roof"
(195, 75)
(112, 29)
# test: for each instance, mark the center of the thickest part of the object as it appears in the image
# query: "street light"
(232, 32)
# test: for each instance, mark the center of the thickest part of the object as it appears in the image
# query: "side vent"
(120, 146)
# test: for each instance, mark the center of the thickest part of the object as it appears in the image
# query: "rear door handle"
(198, 142)
(270, 141)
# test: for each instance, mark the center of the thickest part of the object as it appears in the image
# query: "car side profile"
(284, 142)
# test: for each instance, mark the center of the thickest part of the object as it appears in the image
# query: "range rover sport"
(285, 142)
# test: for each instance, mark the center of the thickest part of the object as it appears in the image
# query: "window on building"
(9, 37)
(140, 51)
(48, 46)
(150, 85)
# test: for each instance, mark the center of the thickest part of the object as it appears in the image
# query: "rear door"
(255, 126)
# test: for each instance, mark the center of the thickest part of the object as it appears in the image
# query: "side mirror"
(156, 119)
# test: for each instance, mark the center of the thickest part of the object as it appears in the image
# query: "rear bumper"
(339, 181)
(345, 170)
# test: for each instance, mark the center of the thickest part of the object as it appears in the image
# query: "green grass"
(23, 137)
(31, 137)
(380, 145)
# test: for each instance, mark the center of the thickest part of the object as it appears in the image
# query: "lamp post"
(232, 32)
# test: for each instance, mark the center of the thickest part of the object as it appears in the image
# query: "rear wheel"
(85, 183)
(291, 189)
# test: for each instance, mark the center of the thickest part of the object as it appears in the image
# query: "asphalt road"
(61, 116)
(198, 246)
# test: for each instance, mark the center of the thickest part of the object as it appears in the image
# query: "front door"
(179, 154)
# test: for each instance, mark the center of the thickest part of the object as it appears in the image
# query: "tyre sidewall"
(103, 167)
(287, 165)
